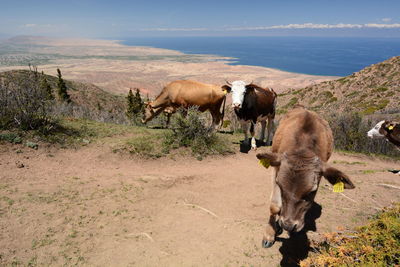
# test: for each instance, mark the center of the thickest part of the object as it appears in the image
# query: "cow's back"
(186, 92)
(301, 128)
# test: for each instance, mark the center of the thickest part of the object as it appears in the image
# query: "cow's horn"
(228, 82)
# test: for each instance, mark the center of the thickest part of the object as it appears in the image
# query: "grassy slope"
(85, 95)
(375, 88)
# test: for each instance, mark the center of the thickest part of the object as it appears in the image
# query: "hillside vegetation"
(374, 244)
(87, 97)
(375, 89)
(28, 113)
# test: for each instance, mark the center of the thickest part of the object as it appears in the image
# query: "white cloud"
(386, 19)
(317, 26)
(287, 26)
(33, 25)
(387, 26)
(29, 25)
(174, 29)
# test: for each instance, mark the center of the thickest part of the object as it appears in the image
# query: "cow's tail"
(223, 111)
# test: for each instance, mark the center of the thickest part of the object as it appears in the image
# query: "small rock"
(19, 164)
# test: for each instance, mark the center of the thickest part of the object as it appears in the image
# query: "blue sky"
(120, 18)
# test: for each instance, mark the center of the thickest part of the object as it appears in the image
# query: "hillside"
(375, 89)
(89, 97)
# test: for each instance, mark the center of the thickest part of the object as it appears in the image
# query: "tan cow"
(185, 93)
(301, 147)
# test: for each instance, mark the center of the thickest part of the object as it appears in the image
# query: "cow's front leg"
(245, 128)
(253, 139)
(216, 119)
(262, 134)
(273, 229)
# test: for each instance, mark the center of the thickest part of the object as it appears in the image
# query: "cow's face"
(377, 131)
(148, 113)
(238, 91)
(298, 179)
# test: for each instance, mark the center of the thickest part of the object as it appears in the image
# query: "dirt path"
(93, 207)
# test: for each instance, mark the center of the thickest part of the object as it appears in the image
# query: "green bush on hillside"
(189, 130)
(25, 104)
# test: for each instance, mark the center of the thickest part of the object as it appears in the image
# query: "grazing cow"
(301, 147)
(185, 94)
(253, 104)
(386, 129)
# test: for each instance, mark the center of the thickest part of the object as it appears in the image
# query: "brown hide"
(301, 128)
(185, 93)
(301, 146)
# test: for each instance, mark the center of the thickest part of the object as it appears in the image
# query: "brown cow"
(185, 93)
(386, 129)
(253, 104)
(301, 147)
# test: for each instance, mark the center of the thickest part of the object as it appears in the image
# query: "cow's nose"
(236, 105)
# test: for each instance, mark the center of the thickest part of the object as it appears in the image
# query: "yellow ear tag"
(338, 187)
(225, 92)
(391, 127)
(264, 162)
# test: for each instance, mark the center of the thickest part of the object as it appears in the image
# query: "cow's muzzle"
(236, 106)
(289, 225)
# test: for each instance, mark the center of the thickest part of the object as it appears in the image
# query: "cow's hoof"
(267, 244)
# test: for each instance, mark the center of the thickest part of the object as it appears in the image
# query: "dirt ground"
(92, 207)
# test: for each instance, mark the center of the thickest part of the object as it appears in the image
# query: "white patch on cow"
(253, 143)
(374, 132)
(238, 91)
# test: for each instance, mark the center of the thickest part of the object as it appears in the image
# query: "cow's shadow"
(245, 147)
(296, 247)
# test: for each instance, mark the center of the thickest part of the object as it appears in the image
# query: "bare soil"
(92, 207)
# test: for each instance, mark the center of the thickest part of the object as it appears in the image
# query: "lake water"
(309, 55)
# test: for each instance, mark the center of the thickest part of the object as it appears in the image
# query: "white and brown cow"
(387, 129)
(301, 147)
(186, 93)
(253, 104)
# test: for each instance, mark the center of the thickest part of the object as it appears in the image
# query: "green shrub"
(189, 130)
(11, 138)
(25, 104)
(143, 146)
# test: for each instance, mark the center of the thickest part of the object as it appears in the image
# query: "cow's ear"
(226, 88)
(274, 159)
(391, 126)
(334, 176)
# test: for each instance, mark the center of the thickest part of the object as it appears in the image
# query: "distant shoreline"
(117, 67)
(321, 56)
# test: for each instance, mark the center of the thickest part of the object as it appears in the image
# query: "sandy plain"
(117, 68)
